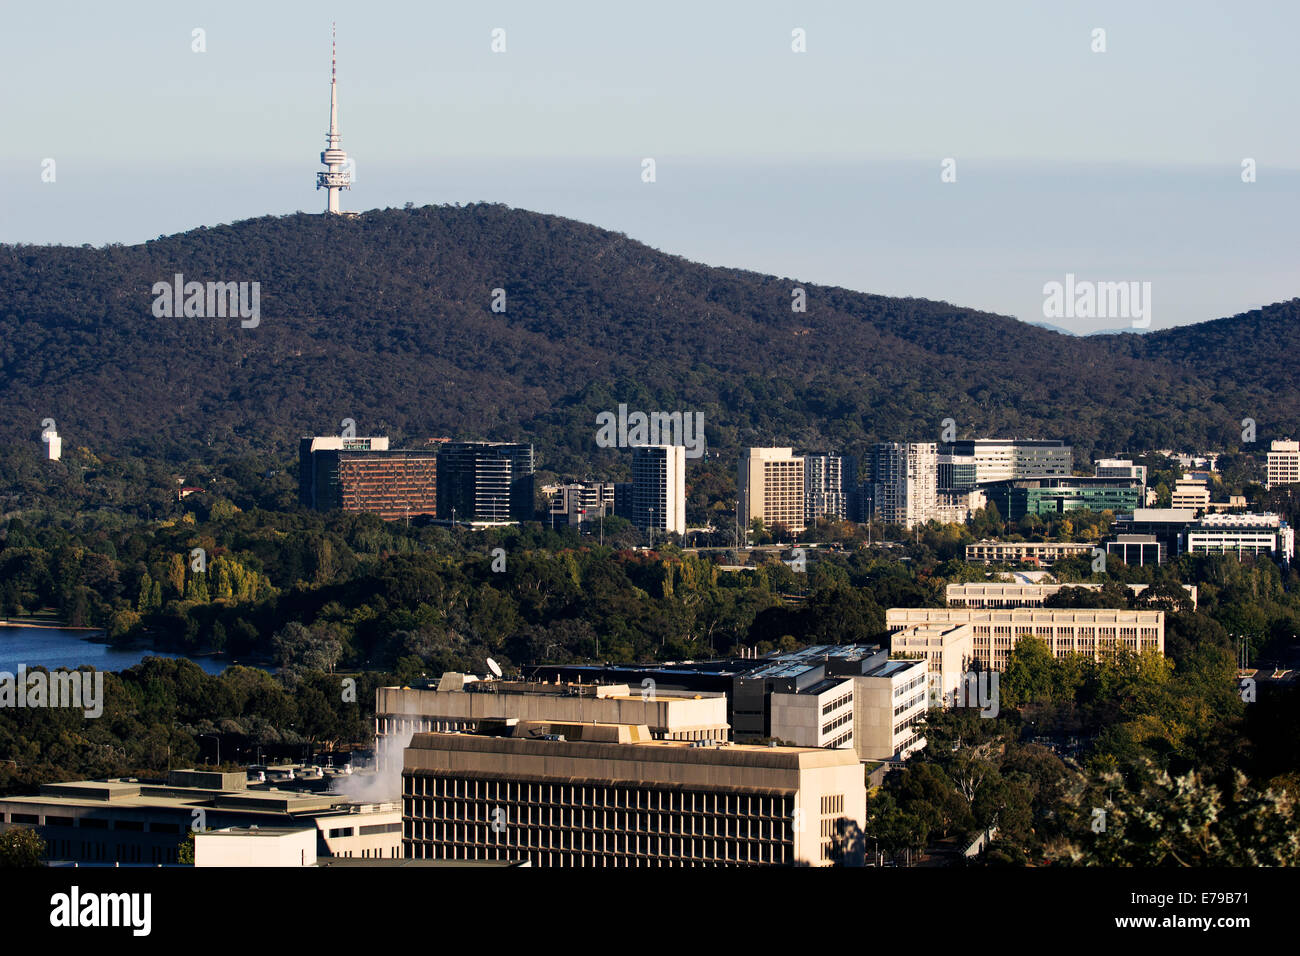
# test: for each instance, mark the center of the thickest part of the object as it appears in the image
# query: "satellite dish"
(494, 667)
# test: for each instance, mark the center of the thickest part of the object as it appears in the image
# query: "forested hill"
(387, 319)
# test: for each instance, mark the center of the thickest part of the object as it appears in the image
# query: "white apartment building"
(1283, 464)
(905, 482)
(771, 488)
(1039, 552)
(995, 632)
(659, 488)
(823, 488)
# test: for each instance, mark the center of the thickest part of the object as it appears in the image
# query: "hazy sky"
(822, 166)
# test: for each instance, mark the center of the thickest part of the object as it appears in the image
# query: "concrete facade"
(452, 706)
(996, 632)
(949, 650)
(613, 797)
(770, 484)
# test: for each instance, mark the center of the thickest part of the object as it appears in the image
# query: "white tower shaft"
(334, 159)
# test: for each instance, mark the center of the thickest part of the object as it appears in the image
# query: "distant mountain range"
(388, 319)
(1057, 328)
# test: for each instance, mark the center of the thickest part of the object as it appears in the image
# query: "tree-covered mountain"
(388, 319)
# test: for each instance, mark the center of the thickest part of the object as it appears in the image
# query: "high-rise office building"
(485, 482)
(771, 488)
(904, 481)
(659, 488)
(965, 464)
(823, 488)
(1283, 466)
(365, 475)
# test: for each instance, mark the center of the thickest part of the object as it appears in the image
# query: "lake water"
(52, 647)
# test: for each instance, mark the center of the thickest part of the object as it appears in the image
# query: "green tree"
(21, 847)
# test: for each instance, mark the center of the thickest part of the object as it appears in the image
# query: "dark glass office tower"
(485, 481)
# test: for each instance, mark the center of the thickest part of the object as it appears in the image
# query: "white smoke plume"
(383, 784)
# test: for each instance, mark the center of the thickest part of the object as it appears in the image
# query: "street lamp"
(218, 740)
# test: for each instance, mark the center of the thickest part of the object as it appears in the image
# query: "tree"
(21, 847)
(1152, 818)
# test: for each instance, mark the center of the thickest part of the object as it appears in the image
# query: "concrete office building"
(607, 795)
(1120, 468)
(996, 632)
(948, 649)
(256, 846)
(981, 461)
(957, 507)
(802, 697)
(1042, 553)
(580, 501)
(1240, 535)
(486, 483)
(904, 482)
(996, 594)
(770, 484)
(1054, 496)
(1138, 549)
(461, 702)
(142, 821)
(1166, 525)
(1282, 466)
(824, 488)
(364, 475)
(1190, 493)
(889, 707)
(659, 488)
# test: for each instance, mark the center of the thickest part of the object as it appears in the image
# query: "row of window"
(838, 722)
(443, 814)
(416, 784)
(643, 851)
(837, 703)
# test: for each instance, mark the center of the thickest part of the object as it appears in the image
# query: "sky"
(824, 166)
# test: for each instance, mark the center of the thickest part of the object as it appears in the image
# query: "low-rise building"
(462, 702)
(128, 820)
(996, 594)
(1138, 549)
(256, 846)
(1093, 632)
(1043, 553)
(609, 795)
(804, 697)
(1241, 534)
